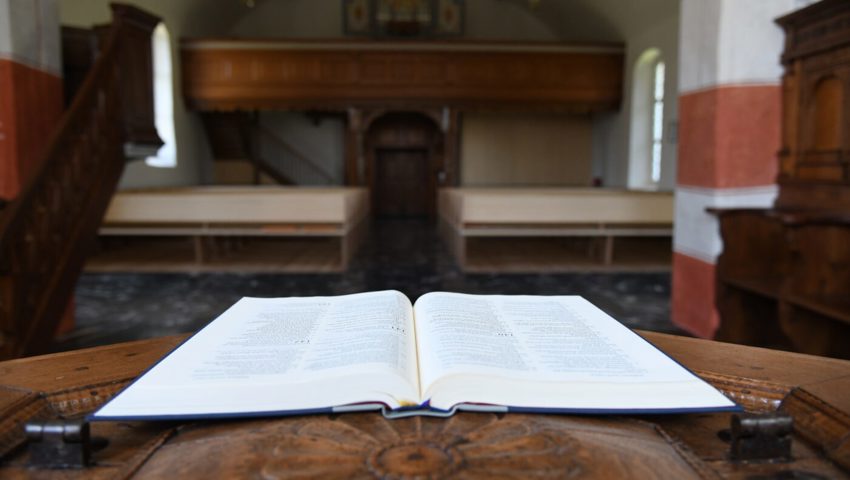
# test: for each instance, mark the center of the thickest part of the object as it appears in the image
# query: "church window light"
(646, 130)
(163, 94)
(657, 121)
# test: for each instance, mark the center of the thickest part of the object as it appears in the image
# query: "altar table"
(814, 390)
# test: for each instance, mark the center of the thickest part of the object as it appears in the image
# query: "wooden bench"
(219, 219)
(470, 214)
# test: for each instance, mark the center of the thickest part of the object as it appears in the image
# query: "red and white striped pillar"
(30, 94)
(729, 135)
(30, 87)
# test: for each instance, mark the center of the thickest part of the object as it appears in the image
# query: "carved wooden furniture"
(79, 53)
(48, 229)
(137, 105)
(815, 155)
(783, 279)
(222, 221)
(223, 74)
(473, 219)
(468, 445)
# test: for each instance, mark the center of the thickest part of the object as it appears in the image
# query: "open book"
(275, 356)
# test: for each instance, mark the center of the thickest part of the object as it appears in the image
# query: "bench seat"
(469, 215)
(209, 214)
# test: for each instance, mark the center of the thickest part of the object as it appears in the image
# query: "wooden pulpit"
(814, 392)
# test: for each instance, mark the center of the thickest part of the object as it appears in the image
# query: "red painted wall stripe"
(693, 296)
(30, 108)
(729, 136)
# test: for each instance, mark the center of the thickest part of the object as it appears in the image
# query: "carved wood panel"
(264, 75)
(815, 155)
(467, 445)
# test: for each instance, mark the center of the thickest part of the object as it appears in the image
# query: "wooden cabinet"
(783, 279)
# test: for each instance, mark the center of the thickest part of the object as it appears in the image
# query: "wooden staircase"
(47, 231)
(232, 139)
(239, 136)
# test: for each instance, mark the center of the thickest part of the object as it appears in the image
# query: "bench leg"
(608, 252)
(205, 248)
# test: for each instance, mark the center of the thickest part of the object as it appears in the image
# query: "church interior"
(687, 153)
(682, 164)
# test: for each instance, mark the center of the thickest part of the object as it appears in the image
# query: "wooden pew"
(469, 215)
(217, 219)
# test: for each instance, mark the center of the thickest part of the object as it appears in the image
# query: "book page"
(543, 352)
(278, 354)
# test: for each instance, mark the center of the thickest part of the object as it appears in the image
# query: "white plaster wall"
(290, 19)
(732, 42)
(500, 20)
(29, 34)
(608, 151)
(751, 41)
(193, 155)
(698, 45)
(525, 149)
(696, 232)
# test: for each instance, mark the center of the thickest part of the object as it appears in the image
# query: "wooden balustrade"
(46, 232)
(262, 75)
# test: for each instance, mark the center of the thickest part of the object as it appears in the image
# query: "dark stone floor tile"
(405, 255)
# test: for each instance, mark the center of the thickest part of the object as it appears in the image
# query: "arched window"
(163, 98)
(647, 121)
(657, 121)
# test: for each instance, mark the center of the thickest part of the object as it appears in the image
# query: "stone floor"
(405, 255)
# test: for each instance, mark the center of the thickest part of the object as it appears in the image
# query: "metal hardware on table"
(761, 437)
(59, 443)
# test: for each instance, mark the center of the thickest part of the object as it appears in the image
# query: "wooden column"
(141, 138)
(451, 131)
(354, 147)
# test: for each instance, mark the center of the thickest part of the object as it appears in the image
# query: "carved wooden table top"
(814, 390)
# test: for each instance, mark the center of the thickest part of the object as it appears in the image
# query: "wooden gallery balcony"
(279, 74)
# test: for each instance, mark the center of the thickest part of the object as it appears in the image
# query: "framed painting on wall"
(357, 17)
(449, 17)
(403, 18)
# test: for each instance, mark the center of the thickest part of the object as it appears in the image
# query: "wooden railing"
(229, 75)
(46, 232)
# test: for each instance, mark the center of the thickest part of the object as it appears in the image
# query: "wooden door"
(404, 156)
(401, 182)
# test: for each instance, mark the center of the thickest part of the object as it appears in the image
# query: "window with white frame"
(657, 121)
(163, 95)
(646, 132)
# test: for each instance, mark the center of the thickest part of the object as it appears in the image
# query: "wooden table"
(814, 390)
